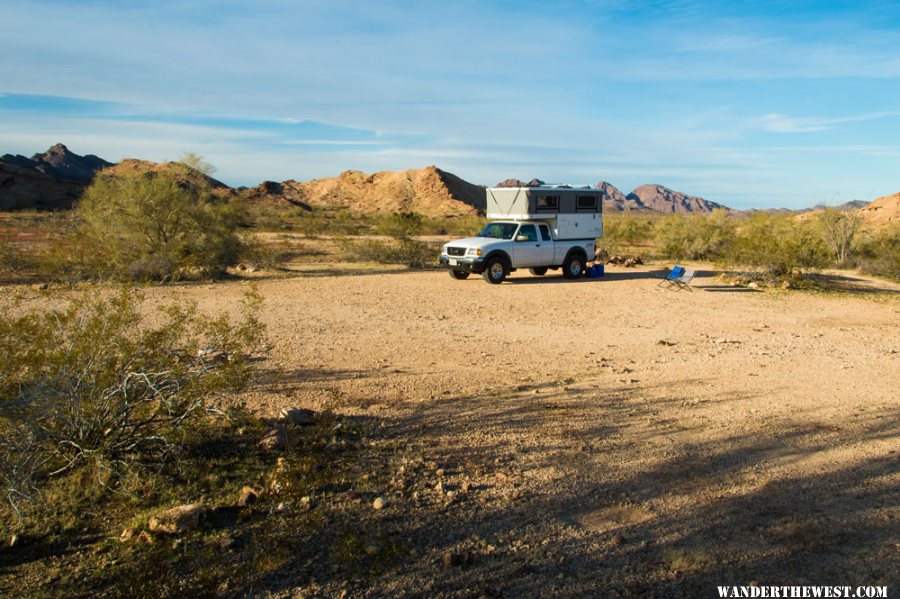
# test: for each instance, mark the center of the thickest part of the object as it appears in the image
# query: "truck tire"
(495, 270)
(538, 272)
(573, 267)
(459, 275)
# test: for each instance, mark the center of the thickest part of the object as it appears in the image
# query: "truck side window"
(545, 233)
(529, 232)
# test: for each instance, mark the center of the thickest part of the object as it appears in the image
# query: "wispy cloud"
(779, 123)
(683, 90)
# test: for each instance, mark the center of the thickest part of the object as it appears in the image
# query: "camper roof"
(547, 187)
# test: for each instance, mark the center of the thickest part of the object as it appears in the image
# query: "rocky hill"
(133, 166)
(663, 199)
(428, 191)
(616, 201)
(845, 207)
(53, 180)
(883, 211)
(60, 163)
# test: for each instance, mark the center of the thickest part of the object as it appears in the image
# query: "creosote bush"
(162, 225)
(94, 387)
(401, 225)
(696, 237)
(878, 252)
(778, 246)
(409, 252)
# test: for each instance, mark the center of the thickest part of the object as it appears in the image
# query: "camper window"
(548, 202)
(587, 202)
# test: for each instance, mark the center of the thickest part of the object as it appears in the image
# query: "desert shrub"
(463, 226)
(838, 229)
(402, 224)
(157, 226)
(695, 237)
(778, 246)
(94, 386)
(409, 252)
(878, 252)
(621, 231)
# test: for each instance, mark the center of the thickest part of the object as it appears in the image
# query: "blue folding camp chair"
(682, 281)
(674, 274)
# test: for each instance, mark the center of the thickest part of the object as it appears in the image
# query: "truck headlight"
(473, 252)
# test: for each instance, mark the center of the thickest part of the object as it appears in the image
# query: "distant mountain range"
(56, 179)
(53, 180)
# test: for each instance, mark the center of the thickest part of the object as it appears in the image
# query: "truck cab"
(539, 228)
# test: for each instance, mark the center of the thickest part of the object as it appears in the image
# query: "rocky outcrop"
(53, 180)
(28, 189)
(883, 211)
(60, 163)
(269, 192)
(663, 199)
(428, 191)
(616, 201)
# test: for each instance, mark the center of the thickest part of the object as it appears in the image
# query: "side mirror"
(522, 238)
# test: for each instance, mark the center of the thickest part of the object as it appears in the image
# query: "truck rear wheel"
(573, 267)
(538, 272)
(459, 274)
(495, 271)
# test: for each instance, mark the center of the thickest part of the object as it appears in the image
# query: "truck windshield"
(499, 230)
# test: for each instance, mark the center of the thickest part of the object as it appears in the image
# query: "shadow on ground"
(610, 499)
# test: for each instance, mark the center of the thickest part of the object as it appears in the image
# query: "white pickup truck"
(504, 246)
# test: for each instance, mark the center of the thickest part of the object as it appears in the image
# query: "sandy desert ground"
(606, 436)
(599, 437)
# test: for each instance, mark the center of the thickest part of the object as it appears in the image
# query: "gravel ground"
(600, 437)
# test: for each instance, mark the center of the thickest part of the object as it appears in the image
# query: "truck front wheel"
(459, 274)
(495, 271)
(573, 267)
(538, 272)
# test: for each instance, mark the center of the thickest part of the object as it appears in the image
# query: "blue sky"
(756, 104)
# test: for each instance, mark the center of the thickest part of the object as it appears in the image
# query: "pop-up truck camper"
(539, 228)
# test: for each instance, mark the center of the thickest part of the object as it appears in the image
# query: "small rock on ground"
(178, 519)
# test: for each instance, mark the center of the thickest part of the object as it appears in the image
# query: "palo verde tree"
(839, 228)
(159, 224)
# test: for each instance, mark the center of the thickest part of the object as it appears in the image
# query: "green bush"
(878, 252)
(161, 225)
(409, 252)
(695, 237)
(94, 385)
(402, 224)
(623, 230)
(778, 246)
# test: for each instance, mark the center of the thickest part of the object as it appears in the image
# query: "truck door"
(547, 246)
(528, 251)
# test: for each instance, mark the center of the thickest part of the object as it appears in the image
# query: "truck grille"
(456, 251)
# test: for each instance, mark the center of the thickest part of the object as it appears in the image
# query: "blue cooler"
(595, 271)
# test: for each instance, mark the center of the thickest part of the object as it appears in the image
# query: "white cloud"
(779, 123)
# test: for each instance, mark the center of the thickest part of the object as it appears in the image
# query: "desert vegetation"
(771, 246)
